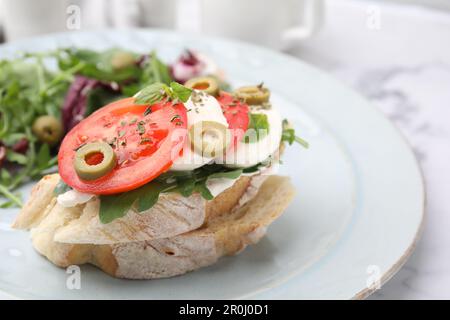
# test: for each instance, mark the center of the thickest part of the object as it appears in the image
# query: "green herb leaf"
(289, 136)
(182, 182)
(234, 174)
(141, 128)
(158, 91)
(152, 94)
(181, 92)
(149, 195)
(186, 187)
(201, 188)
(5, 177)
(116, 206)
(258, 127)
(160, 71)
(16, 157)
(43, 157)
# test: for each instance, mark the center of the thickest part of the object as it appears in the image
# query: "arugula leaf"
(258, 127)
(116, 206)
(99, 97)
(227, 175)
(159, 69)
(145, 197)
(182, 182)
(149, 195)
(16, 157)
(5, 177)
(185, 187)
(13, 198)
(201, 188)
(98, 65)
(288, 135)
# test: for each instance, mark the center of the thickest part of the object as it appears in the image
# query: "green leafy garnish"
(180, 91)
(158, 91)
(258, 127)
(289, 136)
(234, 174)
(28, 90)
(183, 182)
(98, 65)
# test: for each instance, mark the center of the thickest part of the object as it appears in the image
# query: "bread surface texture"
(172, 215)
(133, 249)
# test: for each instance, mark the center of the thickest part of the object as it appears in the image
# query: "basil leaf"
(258, 127)
(152, 94)
(181, 92)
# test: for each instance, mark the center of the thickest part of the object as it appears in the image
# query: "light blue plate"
(355, 220)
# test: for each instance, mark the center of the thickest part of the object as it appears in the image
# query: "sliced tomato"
(236, 113)
(145, 144)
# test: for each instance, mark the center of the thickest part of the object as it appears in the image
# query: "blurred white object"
(25, 18)
(128, 13)
(278, 24)
(1, 21)
(158, 13)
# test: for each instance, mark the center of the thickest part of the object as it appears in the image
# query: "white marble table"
(399, 58)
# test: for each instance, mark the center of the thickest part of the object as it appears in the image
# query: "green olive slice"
(47, 129)
(209, 138)
(253, 95)
(206, 84)
(94, 160)
(122, 59)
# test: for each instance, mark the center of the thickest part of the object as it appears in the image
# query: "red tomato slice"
(145, 145)
(236, 113)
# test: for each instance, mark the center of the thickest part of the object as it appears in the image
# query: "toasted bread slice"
(172, 215)
(223, 234)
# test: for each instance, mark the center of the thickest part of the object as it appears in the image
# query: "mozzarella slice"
(200, 107)
(73, 198)
(250, 154)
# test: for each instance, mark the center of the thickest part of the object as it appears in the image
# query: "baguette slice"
(224, 234)
(172, 215)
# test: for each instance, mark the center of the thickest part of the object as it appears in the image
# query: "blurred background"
(394, 52)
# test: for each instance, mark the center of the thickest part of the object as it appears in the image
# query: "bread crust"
(172, 215)
(225, 231)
